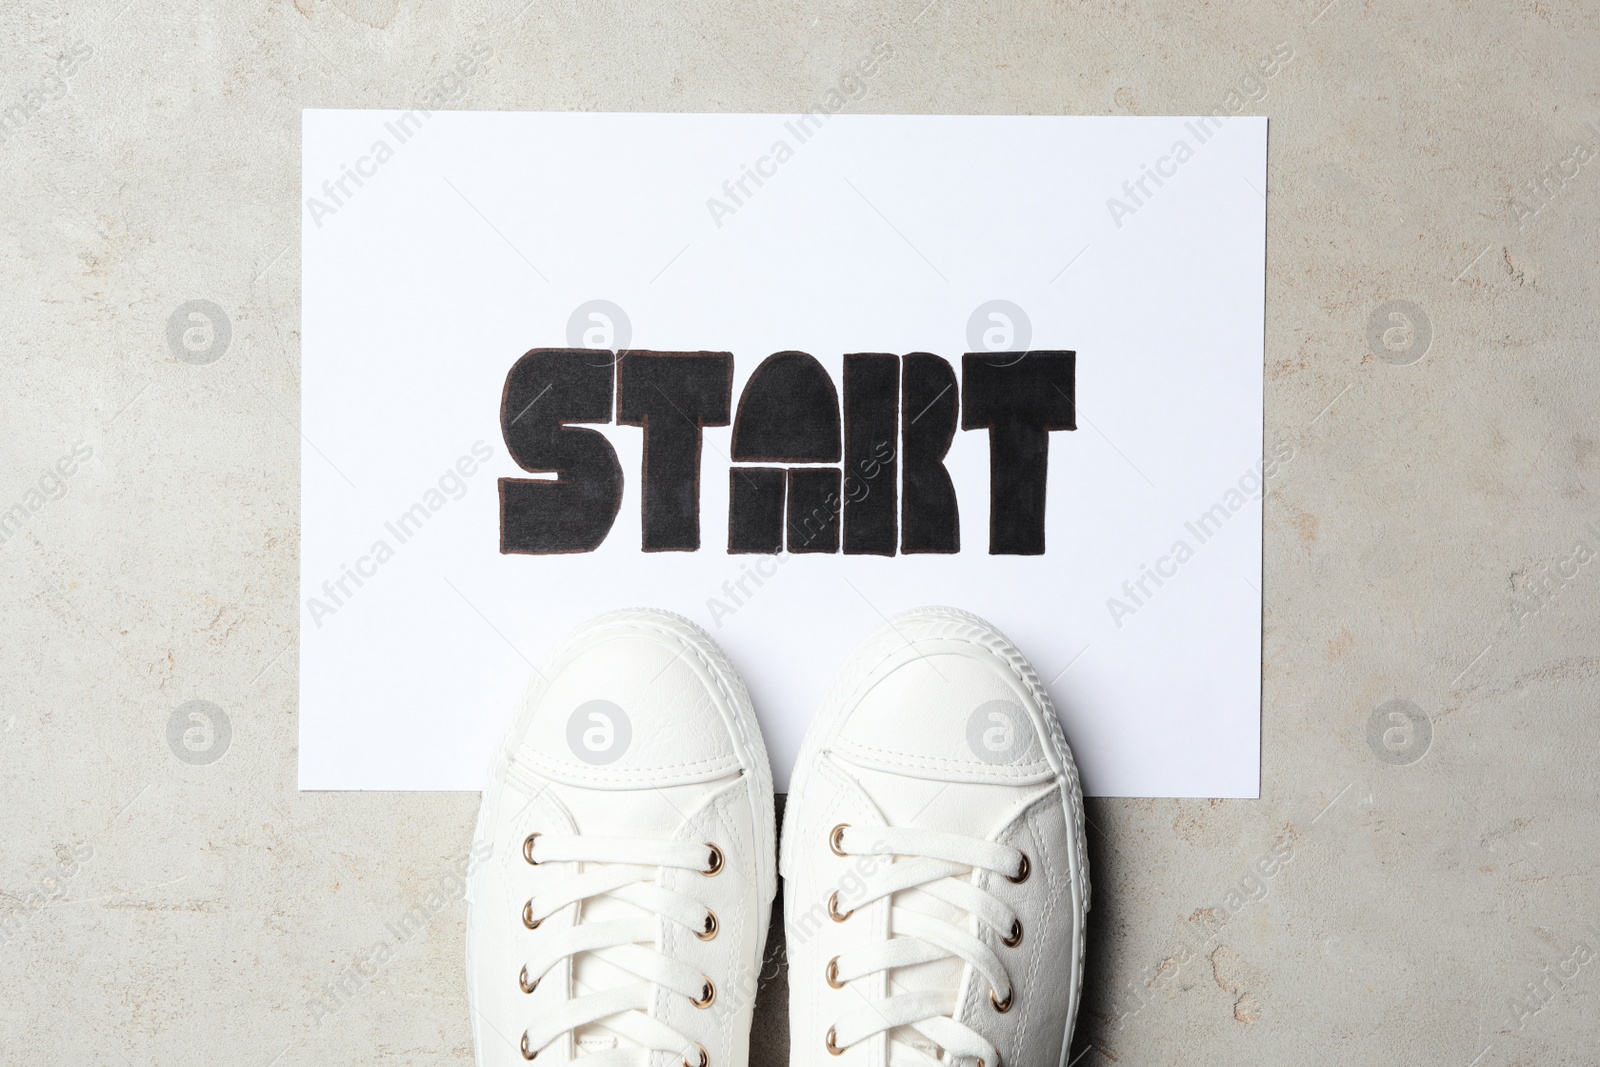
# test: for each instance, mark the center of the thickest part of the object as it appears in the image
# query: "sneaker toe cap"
(946, 709)
(633, 703)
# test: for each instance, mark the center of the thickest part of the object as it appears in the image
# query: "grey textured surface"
(1421, 544)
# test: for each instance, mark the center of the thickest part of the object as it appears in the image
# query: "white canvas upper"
(634, 751)
(938, 750)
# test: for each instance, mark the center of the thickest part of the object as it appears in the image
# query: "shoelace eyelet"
(1022, 875)
(711, 927)
(836, 840)
(707, 994)
(527, 1053)
(1002, 1006)
(832, 974)
(1016, 935)
(833, 1049)
(705, 1057)
(716, 861)
(833, 908)
(523, 982)
(527, 916)
(527, 849)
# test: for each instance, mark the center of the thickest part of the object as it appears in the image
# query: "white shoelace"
(940, 865)
(624, 869)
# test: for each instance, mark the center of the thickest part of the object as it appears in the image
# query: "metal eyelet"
(527, 849)
(707, 994)
(527, 916)
(716, 861)
(1016, 935)
(527, 1053)
(833, 908)
(1022, 875)
(1002, 1006)
(832, 974)
(526, 985)
(711, 927)
(833, 1049)
(836, 840)
(705, 1058)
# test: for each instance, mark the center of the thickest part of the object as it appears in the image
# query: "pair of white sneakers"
(936, 882)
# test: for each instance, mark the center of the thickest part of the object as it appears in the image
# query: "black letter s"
(545, 390)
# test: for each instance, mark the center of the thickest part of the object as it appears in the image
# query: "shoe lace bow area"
(626, 870)
(940, 865)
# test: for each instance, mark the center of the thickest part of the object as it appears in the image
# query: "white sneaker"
(935, 878)
(625, 868)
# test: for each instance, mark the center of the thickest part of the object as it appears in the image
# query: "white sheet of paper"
(437, 249)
